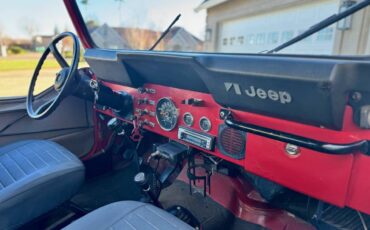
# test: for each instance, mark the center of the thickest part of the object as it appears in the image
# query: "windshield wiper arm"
(322, 24)
(165, 32)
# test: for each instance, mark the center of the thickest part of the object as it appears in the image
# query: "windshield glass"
(226, 26)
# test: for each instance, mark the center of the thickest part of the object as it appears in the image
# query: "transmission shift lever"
(150, 186)
(142, 181)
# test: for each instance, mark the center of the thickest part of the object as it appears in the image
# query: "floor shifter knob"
(150, 185)
(142, 181)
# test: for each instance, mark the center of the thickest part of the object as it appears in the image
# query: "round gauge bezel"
(156, 114)
(200, 124)
(184, 120)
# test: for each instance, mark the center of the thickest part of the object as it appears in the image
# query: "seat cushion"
(128, 215)
(35, 177)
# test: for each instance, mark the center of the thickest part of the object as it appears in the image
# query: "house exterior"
(23, 43)
(3, 47)
(105, 36)
(252, 26)
(6, 43)
(138, 38)
(3, 50)
(177, 39)
(40, 42)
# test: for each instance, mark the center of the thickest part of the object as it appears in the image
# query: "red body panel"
(240, 198)
(340, 180)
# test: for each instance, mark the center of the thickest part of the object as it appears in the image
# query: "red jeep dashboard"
(337, 179)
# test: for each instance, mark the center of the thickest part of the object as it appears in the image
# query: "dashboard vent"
(231, 142)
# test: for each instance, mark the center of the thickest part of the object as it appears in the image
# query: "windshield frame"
(79, 24)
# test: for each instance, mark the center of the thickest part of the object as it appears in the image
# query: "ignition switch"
(116, 126)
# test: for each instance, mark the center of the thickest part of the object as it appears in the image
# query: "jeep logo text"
(282, 97)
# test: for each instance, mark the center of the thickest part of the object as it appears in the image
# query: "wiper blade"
(322, 24)
(165, 32)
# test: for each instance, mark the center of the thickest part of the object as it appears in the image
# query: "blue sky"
(46, 14)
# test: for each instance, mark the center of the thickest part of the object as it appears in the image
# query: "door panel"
(70, 124)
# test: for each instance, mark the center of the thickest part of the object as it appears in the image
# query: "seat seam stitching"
(15, 147)
(51, 155)
(133, 210)
(160, 217)
(45, 182)
(40, 158)
(7, 171)
(60, 151)
(17, 164)
(133, 227)
(34, 166)
(146, 221)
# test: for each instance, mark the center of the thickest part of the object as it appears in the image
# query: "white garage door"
(265, 31)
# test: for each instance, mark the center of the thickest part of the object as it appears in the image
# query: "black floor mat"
(113, 186)
(118, 185)
(55, 219)
(209, 213)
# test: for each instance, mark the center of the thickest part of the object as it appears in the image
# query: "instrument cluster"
(167, 114)
(185, 116)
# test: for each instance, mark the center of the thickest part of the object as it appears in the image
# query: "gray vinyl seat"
(35, 177)
(129, 215)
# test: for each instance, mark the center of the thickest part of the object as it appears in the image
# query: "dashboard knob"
(193, 102)
(144, 112)
(143, 101)
(141, 90)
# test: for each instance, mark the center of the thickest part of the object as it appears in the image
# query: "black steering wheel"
(64, 81)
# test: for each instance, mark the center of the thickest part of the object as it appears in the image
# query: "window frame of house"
(325, 35)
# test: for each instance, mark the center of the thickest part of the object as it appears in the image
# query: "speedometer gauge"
(166, 114)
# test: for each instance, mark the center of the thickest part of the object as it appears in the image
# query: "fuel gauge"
(188, 119)
(205, 124)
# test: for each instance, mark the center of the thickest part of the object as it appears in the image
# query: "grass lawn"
(25, 64)
(16, 72)
(27, 61)
(16, 83)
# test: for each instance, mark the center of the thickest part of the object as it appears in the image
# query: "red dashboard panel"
(340, 180)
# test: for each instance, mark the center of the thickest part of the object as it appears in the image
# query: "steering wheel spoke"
(44, 106)
(60, 59)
